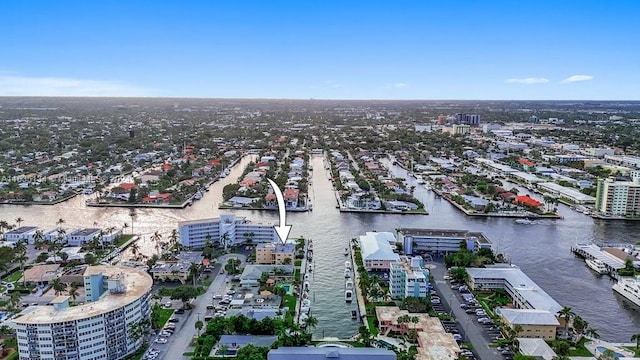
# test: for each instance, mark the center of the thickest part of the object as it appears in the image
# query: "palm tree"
(156, 237)
(73, 291)
(567, 314)
(14, 298)
(199, 325)
(38, 239)
(636, 338)
(135, 248)
(173, 238)
(194, 268)
(19, 221)
(311, 321)
(59, 222)
(58, 286)
(592, 333)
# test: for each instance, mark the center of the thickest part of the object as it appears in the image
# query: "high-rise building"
(116, 300)
(468, 119)
(618, 198)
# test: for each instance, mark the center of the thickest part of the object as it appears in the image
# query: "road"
(473, 331)
(185, 328)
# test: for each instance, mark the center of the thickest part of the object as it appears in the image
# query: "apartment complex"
(535, 310)
(274, 253)
(115, 299)
(408, 278)
(226, 230)
(618, 198)
(377, 253)
(440, 241)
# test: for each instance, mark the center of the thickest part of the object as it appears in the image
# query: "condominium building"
(116, 298)
(274, 253)
(440, 240)
(535, 310)
(226, 230)
(618, 198)
(408, 278)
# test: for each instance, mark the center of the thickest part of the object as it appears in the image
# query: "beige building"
(274, 253)
(534, 323)
(434, 343)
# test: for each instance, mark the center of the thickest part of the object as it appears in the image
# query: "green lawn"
(13, 277)
(373, 325)
(580, 350)
(165, 314)
(297, 263)
(123, 239)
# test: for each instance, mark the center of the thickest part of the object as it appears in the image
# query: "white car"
(160, 341)
(165, 334)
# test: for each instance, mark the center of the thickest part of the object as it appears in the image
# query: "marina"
(543, 251)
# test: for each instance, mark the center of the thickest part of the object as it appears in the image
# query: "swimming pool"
(601, 349)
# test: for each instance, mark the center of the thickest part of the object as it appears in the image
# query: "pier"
(593, 252)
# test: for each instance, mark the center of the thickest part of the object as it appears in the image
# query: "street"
(185, 327)
(474, 332)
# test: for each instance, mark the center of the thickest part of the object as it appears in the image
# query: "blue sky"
(322, 49)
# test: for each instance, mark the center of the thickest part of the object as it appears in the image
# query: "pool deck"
(617, 347)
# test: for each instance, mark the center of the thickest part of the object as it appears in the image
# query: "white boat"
(348, 285)
(629, 287)
(306, 285)
(348, 296)
(420, 180)
(347, 273)
(597, 266)
(88, 191)
(524, 221)
(347, 264)
(197, 195)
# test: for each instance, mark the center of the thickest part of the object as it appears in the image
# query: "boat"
(87, 191)
(629, 287)
(348, 296)
(597, 266)
(347, 273)
(346, 251)
(306, 285)
(420, 180)
(306, 277)
(524, 221)
(354, 314)
(310, 268)
(347, 264)
(348, 285)
(197, 195)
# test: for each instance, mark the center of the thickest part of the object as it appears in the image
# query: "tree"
(63, 256)
(561, 347)
(459, 274)
(38, 239)
(156, 237)
(311, 322)
(286, 261)
(90, 259)
(199, 324)
(592, 333)
(365, 335)
(636, 338)
(173, 238)
(184, 293)
(567, 314)
(73, 291)
(194, 270)
(58, 286)
(19, 221)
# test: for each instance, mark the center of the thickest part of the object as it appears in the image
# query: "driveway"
(473, 331)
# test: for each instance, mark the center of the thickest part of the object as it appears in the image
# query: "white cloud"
(527, 81)
(12, 85)
(576, 78)
(400, 85)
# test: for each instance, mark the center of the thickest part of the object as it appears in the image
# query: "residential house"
(274, 253)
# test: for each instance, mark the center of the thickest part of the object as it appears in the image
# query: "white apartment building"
(226, 230)
(408, 278)
(23, 233)
(618, 198)
(440, 240)
(116, 298)
(80, 237)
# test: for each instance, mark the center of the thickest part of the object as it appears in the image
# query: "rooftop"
(376, 246)
(533, 294)
(21, 230)
(536, 347)
(448, 233)
(528, 316)
(322, 353)
(137, 283)
(84, 232)
(277, 247)
(41, 273)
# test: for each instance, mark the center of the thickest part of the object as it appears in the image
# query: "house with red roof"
(527, 164)
(161, 198)
(270, 200)
(166, 167)
(128, 186)
(291, 197)
(526, 200)
(248, 182)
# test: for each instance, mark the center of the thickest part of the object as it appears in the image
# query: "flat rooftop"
(446, 233)
(84, 232)
(137, 283)
(21, 230)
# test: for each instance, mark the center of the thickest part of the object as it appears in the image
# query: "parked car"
(180, 311)
(160, 341)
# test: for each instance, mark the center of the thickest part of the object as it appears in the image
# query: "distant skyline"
(466, 50)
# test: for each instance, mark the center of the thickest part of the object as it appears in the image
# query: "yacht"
(420, 180)
(354, 314)
(348, 296)
(347, 273)
(197, 195)
(629, 287)
(597, 266)
(347, 264)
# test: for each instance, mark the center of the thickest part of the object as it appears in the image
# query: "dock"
(593, 252)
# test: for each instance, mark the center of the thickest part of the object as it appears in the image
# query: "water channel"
(541, 250)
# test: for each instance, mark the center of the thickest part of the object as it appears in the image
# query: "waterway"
(541, 250)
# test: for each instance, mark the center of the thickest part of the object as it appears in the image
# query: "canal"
(542, 250)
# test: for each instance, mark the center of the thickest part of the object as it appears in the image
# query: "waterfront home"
(526, 200)
(376, 250)
(23, 233)
(41, 274)
(536, 348)
(274, 253)
(157, 198)
(291, 198)
(252, 273)
(45, 196)
(80, 237)
(233, 343)
(362, 200)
